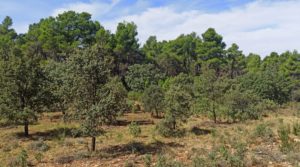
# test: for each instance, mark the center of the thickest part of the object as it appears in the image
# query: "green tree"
(268, 84)
(236, 61)
(96, 99)
(184, 49)
(178, 104)
(126, 47)
(58, 37)
(242, 105)
(253, 63)
(24, 92)
(153, 99)
(211, 51)
(210, 90)
(141, 76)
(152, 49)
(7, 37)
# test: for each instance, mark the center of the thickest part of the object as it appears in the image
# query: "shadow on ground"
(52, 134)
(198, 131)
(137, 148)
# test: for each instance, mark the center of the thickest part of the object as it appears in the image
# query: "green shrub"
(264, 132)
(39, 156)
(296, 129)
(20, 161)
(147, 160)
(39, 145)
(134, 129)
(283, 132)
(164, 128)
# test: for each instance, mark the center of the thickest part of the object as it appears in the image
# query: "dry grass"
(117, 147)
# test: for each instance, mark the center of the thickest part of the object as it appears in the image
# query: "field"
(54, 143)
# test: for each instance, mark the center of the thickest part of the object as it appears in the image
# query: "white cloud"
(96, 8)
(259, 27)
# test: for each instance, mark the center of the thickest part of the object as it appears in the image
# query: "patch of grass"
(39, 145)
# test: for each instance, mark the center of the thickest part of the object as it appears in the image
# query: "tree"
(58, 37)
(211, 51)
(253, 63)
(24, 91)
(7, 37)
(178, 104)
(235, 60)
(139, 77)
(209, 92)
(126, 47)
(97, 98)
(153, 99)
(184, 49)
(242, 105)
(152, 49)
(268, 84)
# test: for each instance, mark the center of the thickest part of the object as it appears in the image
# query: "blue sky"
(258, 26)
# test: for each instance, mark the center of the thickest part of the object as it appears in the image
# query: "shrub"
(283, 132)
(39, 145)
(164, 128)
(119, 137)
(147, 160)
(134, 129)
(21, 160)
(263, 131)
(39, 156)
(129, 164)
(296, 129)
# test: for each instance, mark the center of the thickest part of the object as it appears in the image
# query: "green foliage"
(210, 90)
(296, 129)
(264, 132)
(153, 100)
(242, 105)
(134, 129)
(178, 104)
(21, 160)
(139, 77)
(283, 133)
(24, 92)
(211, 51)
(268, 84)
(39, 145)
(147, 160)
(39, 157)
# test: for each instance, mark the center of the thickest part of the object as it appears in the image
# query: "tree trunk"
(156, 111)
(26, 131)
(93, 144)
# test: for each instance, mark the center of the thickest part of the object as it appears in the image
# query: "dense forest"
(72, 65)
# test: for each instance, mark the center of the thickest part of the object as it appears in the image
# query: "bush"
(39, 156)
(20, 161)
(39, 145)
(296, 129)
(134, 129)
(264, 132)
(164, 128)
(147, 160)
(283, 132)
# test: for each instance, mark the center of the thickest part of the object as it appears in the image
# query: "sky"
(257, 26)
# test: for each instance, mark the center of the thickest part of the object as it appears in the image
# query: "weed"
(296, 129)
(283, 132)
(39, 145)
(147, 160)
(134, 129)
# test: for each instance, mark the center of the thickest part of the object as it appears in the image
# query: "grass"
(202, 142)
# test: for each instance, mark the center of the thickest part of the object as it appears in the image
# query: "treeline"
(72, 64)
